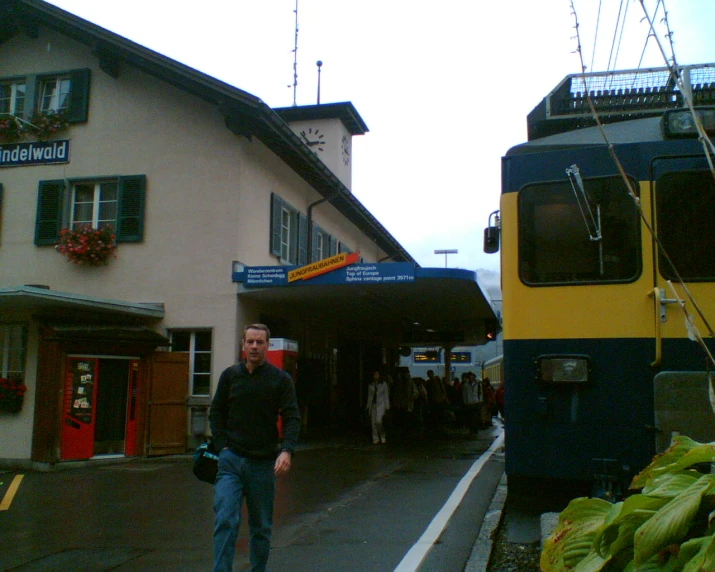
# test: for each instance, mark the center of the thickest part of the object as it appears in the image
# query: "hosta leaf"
(591, 563)
(670, 484)
(704, 559)
(690, 550)
(670, 524)
(576, 529)
(617, 534)
(682, 453)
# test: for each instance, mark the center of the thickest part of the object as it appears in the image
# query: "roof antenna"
(319, 64)
(295, 56)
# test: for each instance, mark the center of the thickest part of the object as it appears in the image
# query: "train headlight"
(563, 368)
(679, 122)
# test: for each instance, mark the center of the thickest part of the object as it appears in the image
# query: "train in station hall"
(605, 232)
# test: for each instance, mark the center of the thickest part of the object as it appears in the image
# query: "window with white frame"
(62, 91)
(289, 232)
(286, 216)
(12, 97)
(94, 204)
(319, 246)
(12, 352)
(55, 94)
(114, 201)
(198, 344)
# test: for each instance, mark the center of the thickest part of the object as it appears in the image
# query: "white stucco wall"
(208, 197)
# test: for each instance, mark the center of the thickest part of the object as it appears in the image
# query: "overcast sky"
(444, 87)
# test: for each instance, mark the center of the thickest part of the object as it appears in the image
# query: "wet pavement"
(346, 505)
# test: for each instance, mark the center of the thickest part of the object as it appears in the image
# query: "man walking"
(243, 416)
(472, 399)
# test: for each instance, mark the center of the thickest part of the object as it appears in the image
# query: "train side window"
(685, 210)
(554, 243)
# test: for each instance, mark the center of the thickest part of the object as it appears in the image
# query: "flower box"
(87, 245)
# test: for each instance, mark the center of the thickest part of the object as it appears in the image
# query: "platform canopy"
(397, 301)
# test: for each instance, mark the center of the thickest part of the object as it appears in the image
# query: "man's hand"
(282, 463)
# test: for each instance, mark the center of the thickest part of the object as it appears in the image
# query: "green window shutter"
(130, 220)
(333, 248)
(50, 200)
(302, 239)
(314, 239)
(79, 96)
(276, 205)
(343, 248)
(0, 200)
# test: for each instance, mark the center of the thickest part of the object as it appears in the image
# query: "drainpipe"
(309, 246)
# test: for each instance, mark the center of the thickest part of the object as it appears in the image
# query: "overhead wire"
(627, 181)
(615, 33)
(595, 35)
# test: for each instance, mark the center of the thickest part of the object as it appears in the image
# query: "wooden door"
(167, 404)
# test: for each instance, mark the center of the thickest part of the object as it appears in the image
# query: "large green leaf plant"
(669, 525)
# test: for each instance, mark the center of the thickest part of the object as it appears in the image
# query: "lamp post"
(446, 252)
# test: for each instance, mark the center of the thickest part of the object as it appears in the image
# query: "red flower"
(86, 244)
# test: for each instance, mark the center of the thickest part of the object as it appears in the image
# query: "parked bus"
(601, 371)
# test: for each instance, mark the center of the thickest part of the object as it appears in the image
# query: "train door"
(99, 407)
(684, 208)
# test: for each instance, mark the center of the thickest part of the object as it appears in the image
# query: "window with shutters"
(289, 232)
(116, 201)
(322, 242)
(66, 92)
(12, 97)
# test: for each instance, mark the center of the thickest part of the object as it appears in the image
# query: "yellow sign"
(322, 266)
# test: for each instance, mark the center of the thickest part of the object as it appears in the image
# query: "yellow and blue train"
(598, 367)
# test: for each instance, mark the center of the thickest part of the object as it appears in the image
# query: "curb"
(482, 549)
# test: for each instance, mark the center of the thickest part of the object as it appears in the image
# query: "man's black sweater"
(245, 408)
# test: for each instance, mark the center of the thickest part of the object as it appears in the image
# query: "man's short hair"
(261, 327)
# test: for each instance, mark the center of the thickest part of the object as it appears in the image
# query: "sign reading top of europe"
(361, 273)
(35, 153)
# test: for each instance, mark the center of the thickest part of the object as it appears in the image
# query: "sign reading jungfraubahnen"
(322, 266)
(358, 273)
(35, 153)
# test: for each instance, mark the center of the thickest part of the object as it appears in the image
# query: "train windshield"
(555, 246)
(685, 211)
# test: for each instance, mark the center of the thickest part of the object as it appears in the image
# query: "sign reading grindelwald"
(35, 153)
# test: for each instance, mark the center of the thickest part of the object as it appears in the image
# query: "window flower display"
(11, 128)
(44, 125)
(11, 394)
(40, 125)
(87, 245)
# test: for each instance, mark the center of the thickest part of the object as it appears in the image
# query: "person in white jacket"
(378, 402)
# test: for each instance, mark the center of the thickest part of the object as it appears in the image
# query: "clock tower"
(327, 130)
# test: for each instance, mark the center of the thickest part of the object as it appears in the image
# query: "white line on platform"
(419, 550)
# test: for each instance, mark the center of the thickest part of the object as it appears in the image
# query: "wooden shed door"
(167, 405)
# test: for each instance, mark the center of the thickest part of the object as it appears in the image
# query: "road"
(346, 505)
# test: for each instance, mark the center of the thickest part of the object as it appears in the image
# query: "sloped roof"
(244, 113)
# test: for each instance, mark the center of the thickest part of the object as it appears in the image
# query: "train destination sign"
(357, 273)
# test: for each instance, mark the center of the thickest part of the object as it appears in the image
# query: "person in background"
(499, 398)
(378, 403)
(472, 398)
(488, 402)
(243, 417)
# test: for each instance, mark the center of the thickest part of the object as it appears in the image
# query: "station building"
(224, 212)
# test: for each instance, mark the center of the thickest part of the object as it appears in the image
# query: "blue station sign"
(357, 273)
(35, 153)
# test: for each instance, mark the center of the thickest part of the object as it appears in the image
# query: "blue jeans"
(239, 477)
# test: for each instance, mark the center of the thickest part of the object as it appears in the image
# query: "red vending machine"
(283, 353)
